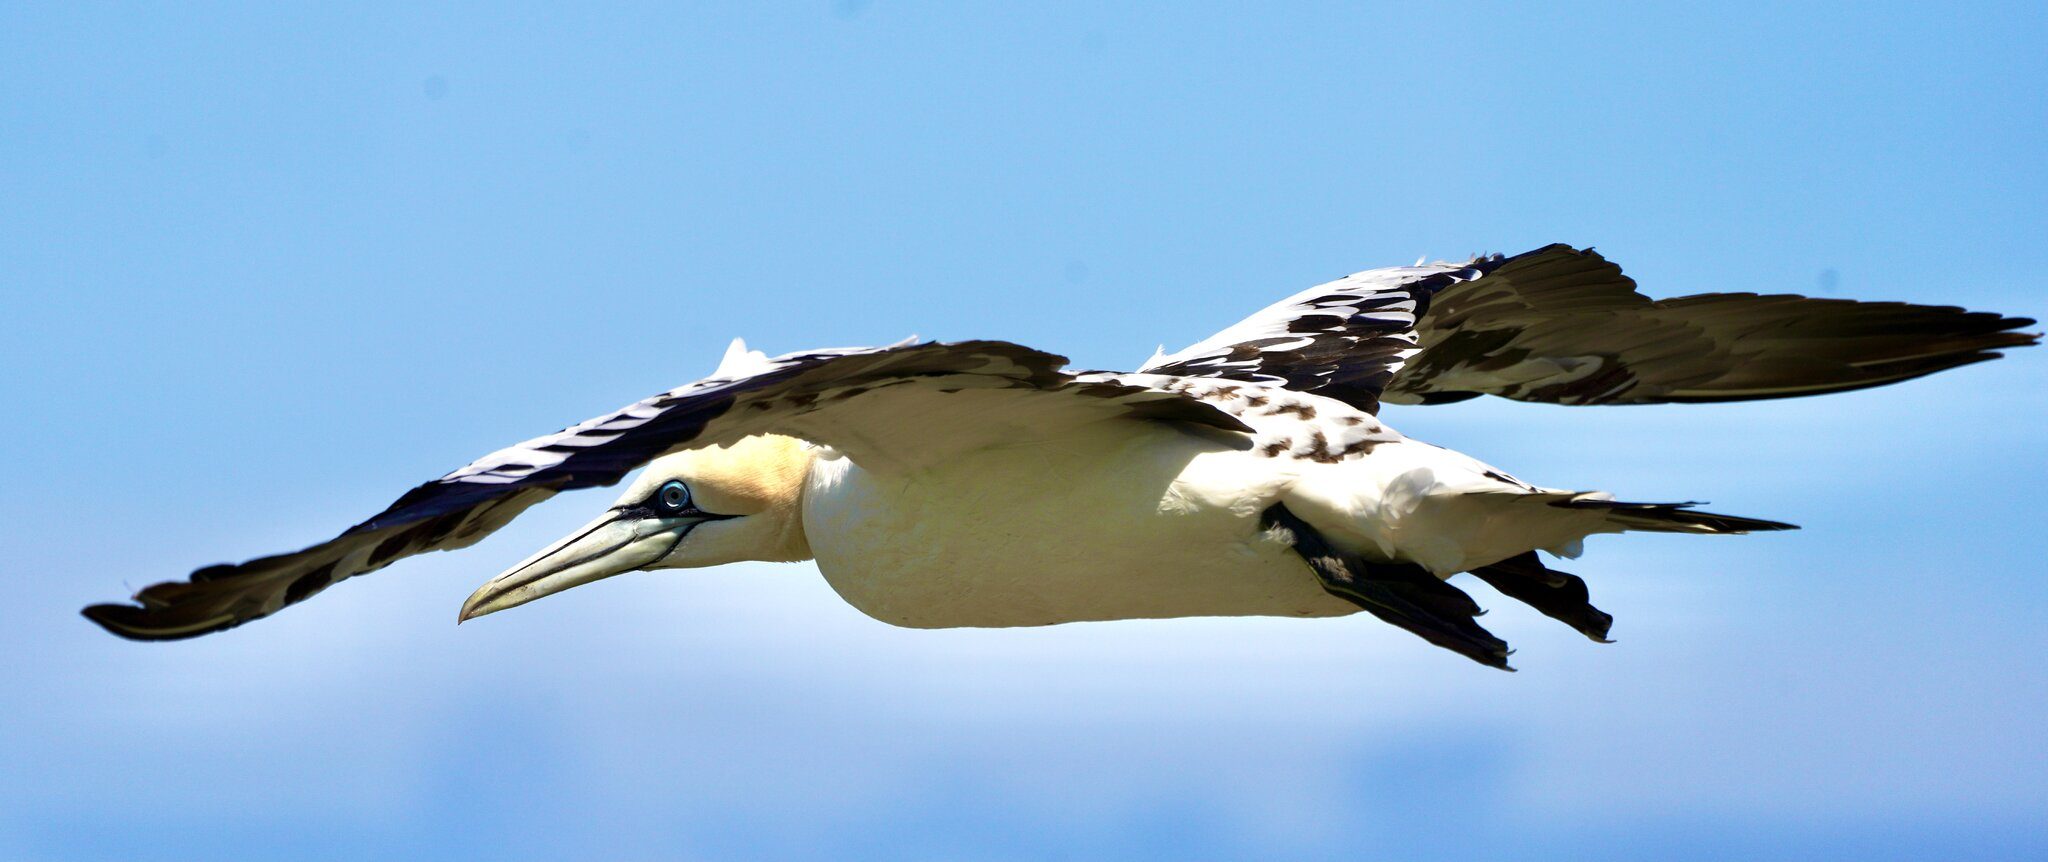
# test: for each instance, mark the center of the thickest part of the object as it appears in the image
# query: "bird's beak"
(617, 543)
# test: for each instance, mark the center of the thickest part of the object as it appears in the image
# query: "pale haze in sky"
(266, 268)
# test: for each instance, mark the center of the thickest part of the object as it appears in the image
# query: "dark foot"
(1558, 595)
(1400, 593)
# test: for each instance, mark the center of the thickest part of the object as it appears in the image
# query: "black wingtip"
(135, 623)
(118, 620)
(98, 614)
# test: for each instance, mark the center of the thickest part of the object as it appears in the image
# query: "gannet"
(979, 483)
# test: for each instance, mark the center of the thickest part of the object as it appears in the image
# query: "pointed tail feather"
(1671, 517)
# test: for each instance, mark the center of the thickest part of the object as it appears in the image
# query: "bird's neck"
(790, 544)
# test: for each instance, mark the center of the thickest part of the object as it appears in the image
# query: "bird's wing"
(1565, 326)
(1345, 339)
(891, 407)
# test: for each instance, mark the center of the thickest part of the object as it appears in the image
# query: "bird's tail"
(1668, 517)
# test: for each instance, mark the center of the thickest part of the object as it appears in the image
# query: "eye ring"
(672, 496)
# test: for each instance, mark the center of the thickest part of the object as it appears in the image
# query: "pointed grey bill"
(614, 544)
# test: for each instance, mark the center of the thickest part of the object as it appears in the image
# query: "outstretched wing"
(1565, 326)
(888, 408)
(1345, 339)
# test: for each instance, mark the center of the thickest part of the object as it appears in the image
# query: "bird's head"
(702, 507)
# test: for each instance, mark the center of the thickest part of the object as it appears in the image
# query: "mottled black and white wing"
(892, 407)
(1345, 339)
(1565, 326)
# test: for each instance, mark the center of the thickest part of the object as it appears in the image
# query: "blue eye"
(674, 496)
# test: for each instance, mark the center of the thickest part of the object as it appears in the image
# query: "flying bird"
(980, 483)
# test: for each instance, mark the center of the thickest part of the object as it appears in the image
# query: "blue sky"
(266, 269)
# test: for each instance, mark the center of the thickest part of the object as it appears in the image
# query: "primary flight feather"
(979, 483)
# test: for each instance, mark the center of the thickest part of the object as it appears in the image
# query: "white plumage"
(979, 484)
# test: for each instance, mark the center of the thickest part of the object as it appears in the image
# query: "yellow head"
(702, 507)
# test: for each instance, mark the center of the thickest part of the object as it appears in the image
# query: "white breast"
(1128, 520)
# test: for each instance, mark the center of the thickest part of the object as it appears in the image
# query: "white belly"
(1131, 520)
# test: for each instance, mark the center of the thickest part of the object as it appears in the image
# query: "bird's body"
(980, 484)
(1119, 521)
(1137, 520)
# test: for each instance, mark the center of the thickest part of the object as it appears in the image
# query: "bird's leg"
(1559, 595)
(1404, 594)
